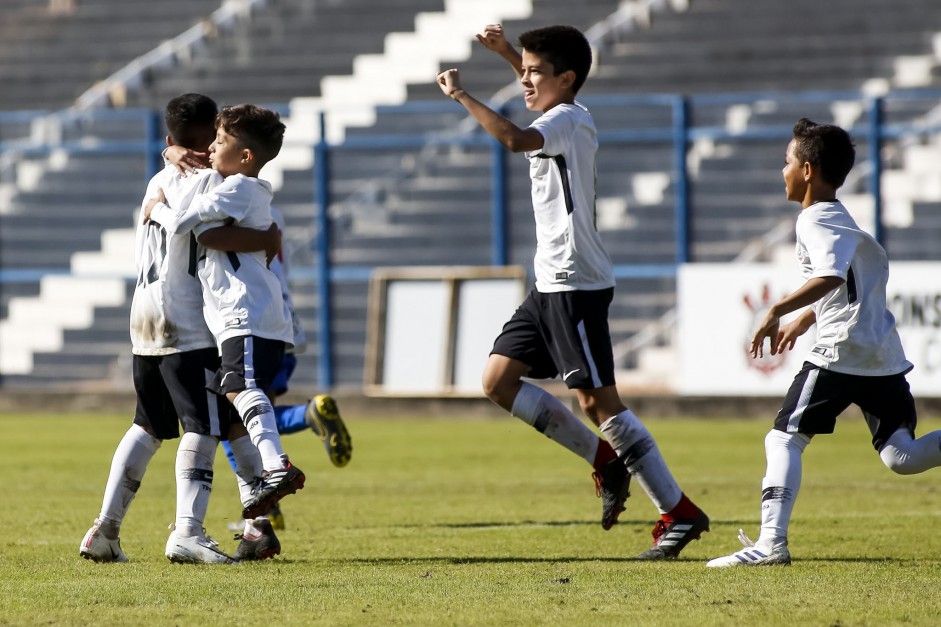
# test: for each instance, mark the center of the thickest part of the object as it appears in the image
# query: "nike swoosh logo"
(569, 373)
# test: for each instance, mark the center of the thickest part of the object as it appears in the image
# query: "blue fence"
(889, 117)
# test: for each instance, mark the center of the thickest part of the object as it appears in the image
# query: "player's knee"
(901, 455)
(149, 431)
(498, 390)
(899, 461)
(781, 439)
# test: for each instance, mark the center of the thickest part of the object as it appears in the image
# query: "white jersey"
(569, 253)
(241, 296)
(855, 330)
(166, 311)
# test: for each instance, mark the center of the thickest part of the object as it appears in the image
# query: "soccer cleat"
(198, 549)
(753, 556)
(97, 548)
(669, 538)
(612, 484)
(260, 545)
(271, 488)
(324, 420)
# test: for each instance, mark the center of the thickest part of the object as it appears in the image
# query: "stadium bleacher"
(51, 52)
(432, 206)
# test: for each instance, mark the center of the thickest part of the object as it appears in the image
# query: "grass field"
(472, 522)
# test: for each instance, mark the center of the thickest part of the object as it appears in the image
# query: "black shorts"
(247, 362)
(562, 334)
(817, 396)
(171, 390)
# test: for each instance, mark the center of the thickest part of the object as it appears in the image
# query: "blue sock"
(290, 419)
(229, 453)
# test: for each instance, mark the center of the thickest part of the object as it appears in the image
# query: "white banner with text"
(720, 305)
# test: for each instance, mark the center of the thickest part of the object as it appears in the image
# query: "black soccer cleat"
(324, 420)
(260, 546)
(271, 488)
(612, 484)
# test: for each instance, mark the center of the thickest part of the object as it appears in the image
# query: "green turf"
(471, 522)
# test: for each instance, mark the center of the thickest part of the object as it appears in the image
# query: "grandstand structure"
(410, 182)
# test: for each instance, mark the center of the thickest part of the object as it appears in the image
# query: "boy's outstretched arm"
(499, 127)
(493, 39)
(809, 293)
(240, 239)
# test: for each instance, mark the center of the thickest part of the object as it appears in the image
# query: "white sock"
(780, 485)
(907, 456)
(131, 457)
(251, 530)
(634, 444)
(248, 465)
(258, 416)
(194, 459)
(549, 416)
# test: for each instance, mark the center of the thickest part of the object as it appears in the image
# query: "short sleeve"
(830, 249)
(557, 126)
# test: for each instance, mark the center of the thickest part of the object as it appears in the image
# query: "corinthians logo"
(757, 308)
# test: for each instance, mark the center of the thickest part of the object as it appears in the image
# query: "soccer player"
(857, 357)
(173, 353)
(562, 326)
(243, 305)
(320, 413)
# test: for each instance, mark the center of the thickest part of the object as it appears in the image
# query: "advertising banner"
(720, 306)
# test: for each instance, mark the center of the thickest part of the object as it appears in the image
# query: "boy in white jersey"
(857, 357)
(320, 414)
(562, 326)
(174, 352)
(243, 305)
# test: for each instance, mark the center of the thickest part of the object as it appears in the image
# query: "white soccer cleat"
(199, 549)
(97, 548)
(752, 555)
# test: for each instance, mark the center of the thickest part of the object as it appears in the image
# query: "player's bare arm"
(185, 160)
(493, 38)
(809, 293)
(240, 239)
(499, 127)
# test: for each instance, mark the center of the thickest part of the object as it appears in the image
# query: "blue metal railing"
(677, 131)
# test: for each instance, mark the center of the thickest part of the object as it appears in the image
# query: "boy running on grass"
(562, 326)
(857, 357)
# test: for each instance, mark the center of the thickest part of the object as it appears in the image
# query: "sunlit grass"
(471, 522)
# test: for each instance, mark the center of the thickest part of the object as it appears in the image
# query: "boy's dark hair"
(565, 47)
(258, 129)
(826, 146)
(191, 120)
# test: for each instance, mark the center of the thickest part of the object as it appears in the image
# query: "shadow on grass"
(555, 523)
(500, 560)
(458, 561)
